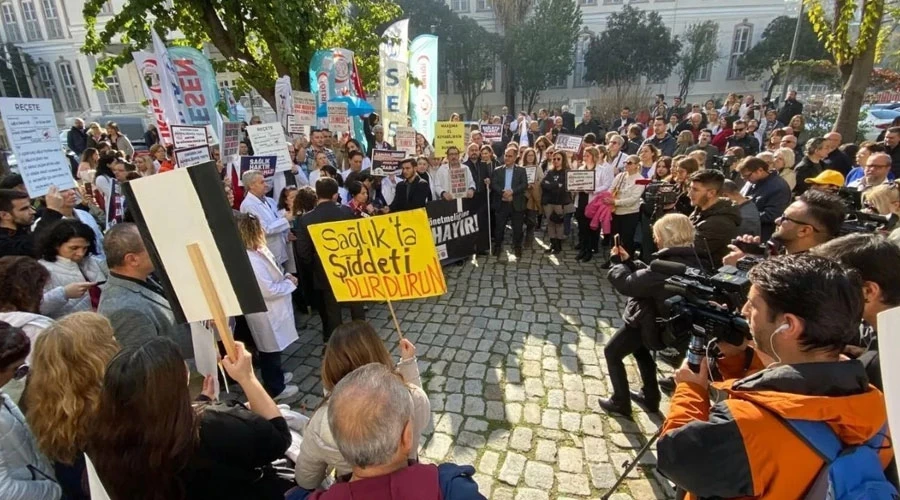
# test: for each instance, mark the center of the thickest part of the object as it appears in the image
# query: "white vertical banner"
(889, 349)
(283, 100)
(148, 69)
(394, 55)
(423, 102)
(170, 90)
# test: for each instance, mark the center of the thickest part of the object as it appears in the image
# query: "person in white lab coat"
(273, 330)
(276, 226)
(442, 184)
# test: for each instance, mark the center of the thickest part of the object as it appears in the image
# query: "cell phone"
(88, 188)
(98, 283)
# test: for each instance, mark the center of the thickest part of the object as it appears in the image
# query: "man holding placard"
(453, 179)
(508, 185)
(265, 209)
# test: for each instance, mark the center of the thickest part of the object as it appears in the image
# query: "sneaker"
(288, 376)
(288, 392)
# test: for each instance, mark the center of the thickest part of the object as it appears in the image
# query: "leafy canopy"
(774, 47)
(700, 50)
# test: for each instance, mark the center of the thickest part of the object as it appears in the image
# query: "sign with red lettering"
(231, 138)
(304, 108)
(338, 119)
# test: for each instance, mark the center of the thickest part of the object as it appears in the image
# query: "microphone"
(668, 268)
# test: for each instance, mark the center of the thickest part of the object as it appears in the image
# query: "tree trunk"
(854, 92)
(772, 83)
(510, 76)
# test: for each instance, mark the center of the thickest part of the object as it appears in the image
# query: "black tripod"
(628, 465)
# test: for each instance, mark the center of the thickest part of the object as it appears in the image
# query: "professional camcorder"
(723, 163)
(657, 196)
(706, 306)
(859, 221)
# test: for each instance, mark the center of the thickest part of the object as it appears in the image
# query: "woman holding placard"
(626, 203)
(532, 193)
(556, 197)
(589, 239)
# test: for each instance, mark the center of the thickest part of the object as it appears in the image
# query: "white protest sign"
(294, 127)
(186, 136)
(304, 108)
(566, 142)
(268, 140)
(212, 138)
(580, 180)
(206, 351)
(31, 129)
(192, 156)
(531, 172)
(458, 186)
(338, 119)
(98, 492)
(231, 138)
(889, 349)
(405, 140)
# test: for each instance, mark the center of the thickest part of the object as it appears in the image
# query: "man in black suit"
(568, 119)
(508, 185)
(327, 210)
(413, 192)
(621, 123)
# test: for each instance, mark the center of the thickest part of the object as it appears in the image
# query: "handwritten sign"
(265, 165)
(186, 136)
(338, 119)
(492, 133)
(192, 156)
(388, 257)
(293, 126)
(387, 160)
(566, 142)
(458, 185)
(580, 180)
(405, 140)
(304, 108)
(448, 134)
(531, 172)
(268, 140)
(31, 129)
(231, 138)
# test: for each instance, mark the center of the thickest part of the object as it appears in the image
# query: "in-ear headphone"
(783, 327)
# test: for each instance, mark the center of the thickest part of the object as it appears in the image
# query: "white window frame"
(106, 8)
(581, 48)
(588, 2)
(484, 5)
(740, 44)
(30, 21)
(68, 76)
(460, 6)
(10, 22)
(114, 94)
(48, 85)
(52, 19)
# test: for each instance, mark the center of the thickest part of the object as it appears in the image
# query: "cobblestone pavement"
(512, 361)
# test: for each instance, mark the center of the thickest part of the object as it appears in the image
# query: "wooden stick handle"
(396, 323)
(212, 299)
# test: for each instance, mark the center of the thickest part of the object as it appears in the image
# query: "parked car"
(886, 105)
(877, 120)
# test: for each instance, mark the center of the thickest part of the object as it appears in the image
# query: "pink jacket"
(599, 212)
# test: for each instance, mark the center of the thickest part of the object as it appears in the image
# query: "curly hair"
(23, 281)
(14, 345)
(67, 369)
(59, 233)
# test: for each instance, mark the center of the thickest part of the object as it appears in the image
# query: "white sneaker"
(288, 392)
(288, 376)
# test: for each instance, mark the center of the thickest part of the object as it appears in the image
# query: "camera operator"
(674, 234)
(715, 219)
(877, 260)
(802, 311)
(769, 191)
(813, 219)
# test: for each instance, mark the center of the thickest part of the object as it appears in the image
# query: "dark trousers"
(648, 246)
(330, 312)
(272, 376)
(587, 237)
(627, 340)
(505, 213)
(625, 226)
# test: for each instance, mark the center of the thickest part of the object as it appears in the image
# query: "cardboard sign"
(889, 346)
(265, 165)
(231, 139)
(566, 142)
(192, 156)
(405, 140)
(448, 134)
(388, 160)
(580, 180)
(458, 185)
(455, 228)
(186, 136)
(388, 257)
(212, 138)
(531, 172)
(294, 127)
(268, 140)
(338, 119)
(184, 207)
(492, 133)
(304, 108)
(31, 129)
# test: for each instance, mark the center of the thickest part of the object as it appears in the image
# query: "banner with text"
(423, 98)
(268, 140)
(333, 73)
(31, 129)
(231, 138)
(454, 227)
(189, 157)
(405, 140)
(580, 180)
(197, 80)
(387, 160)
(388, 257)
(338, 119)
(187, 136)
(448, 134)
(265, 165)
(566, 142)
(393, 69)
(492, 133)
(148, 70)
(304, 108)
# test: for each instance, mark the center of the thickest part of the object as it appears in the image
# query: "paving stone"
(532, 413)
(546, 451)
(521, 439)
(474, 406)
(488, 463)
(531, 494)
(576, 484)
(538, 475)
(512, 468)
(570, 460)
(499, 439)
(550, 419)
(438, 446)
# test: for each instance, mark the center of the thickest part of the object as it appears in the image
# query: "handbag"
(557, 218)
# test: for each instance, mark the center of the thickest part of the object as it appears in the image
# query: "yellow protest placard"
(448, 134)
(389, 257)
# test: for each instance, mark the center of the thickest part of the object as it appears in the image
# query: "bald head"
(833, 140)
(370, 416)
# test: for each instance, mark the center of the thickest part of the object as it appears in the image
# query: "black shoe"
(518, 253)
(496, 252)
(579, 256)
(587, 256)
(610, 406)
(606, 265)
(667, 385)
(578, 246)
(645, 403)
(551, 250)
(671, 356)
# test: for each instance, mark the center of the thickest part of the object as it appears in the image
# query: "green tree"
(552, 31)
(17, 66)
(635, 44)
(853, 46)
(258, 40)
(510, 15)
(700, 50)
(770, 55)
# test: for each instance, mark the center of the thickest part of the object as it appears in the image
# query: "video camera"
(859, 221)
(706, 306)
(658, 195)
(723, 163)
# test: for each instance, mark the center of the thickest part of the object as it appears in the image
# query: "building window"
(588, 2)
(9, 23)
(560, 83)
(106, 8)
(484, 5)
(114, 90)
(70, 87)
(32, 25)
(581, 48)
(48, 84)
(51, 17)
(459, 5)
(612, 2)
(739, 45)
(703, 73)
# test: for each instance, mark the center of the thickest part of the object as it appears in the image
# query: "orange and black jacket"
(739, 448)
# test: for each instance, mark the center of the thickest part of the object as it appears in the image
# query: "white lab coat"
(275, 226)
(274, 330)
(441, 180)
